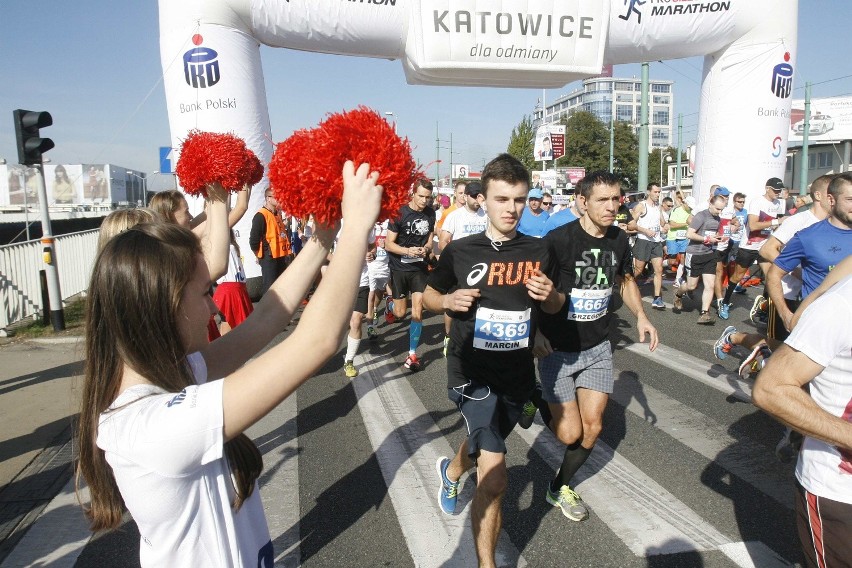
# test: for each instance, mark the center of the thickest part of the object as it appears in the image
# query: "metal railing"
(20, 263)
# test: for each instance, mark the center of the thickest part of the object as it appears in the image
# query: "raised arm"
(215, 232)
(240, 206)
(255, 389)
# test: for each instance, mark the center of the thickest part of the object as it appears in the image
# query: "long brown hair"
(131, 319)
(165, 203)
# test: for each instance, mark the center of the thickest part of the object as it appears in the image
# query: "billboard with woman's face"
(64, 184)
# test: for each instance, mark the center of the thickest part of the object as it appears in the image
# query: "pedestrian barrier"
(20, 263)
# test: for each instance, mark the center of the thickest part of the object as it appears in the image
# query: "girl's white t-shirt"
(166, 451)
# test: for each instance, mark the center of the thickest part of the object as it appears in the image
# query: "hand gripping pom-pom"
(305, 172)
(210, 157)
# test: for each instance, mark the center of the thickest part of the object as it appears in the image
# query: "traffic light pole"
(57, 313)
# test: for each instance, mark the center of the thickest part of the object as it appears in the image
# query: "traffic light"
(30, 145)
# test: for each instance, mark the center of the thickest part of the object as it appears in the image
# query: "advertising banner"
(505, 43)
(544, 180)
(831, 120)
(95, 184)
(574, 174)
(64, 184)
(549, 142)
(461, 171)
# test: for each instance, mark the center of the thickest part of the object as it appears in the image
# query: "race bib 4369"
(501, 330)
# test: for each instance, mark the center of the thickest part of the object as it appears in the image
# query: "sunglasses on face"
(547, 203)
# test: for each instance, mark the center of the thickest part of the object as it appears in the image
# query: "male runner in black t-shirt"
(575, 356)
(502, 283)
(408, 244)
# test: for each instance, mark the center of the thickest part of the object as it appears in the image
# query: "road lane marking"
(407, 443)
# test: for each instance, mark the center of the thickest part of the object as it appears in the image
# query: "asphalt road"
(684, 473)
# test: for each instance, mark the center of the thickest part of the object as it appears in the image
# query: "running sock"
(414, 331)
(351, 348)
(679, 273)
(575, 456)
(730, 291)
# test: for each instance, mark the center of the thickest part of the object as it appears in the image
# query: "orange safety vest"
(276, 235)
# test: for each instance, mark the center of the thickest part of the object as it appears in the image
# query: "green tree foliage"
(587, 146)
(626, 155)
(654, 164)
(522, 141)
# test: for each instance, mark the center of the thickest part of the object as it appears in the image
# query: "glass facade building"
(610, 98)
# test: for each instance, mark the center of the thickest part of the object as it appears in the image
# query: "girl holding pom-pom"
(163, 412)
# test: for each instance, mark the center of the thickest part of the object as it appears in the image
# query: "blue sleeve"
(792, 255)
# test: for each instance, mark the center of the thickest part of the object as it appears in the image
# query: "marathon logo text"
(209, 104)
(690, 8)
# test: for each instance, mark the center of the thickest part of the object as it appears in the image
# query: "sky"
(95, 66)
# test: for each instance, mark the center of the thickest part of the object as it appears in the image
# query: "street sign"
(461, 171)
(166, 160)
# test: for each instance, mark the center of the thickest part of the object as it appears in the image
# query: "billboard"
(549, 142)
(831, 120)
(70, 185)
(574, 174)
(64, 184)
(544, 180)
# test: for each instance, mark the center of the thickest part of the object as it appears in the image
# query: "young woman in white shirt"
(164, 411)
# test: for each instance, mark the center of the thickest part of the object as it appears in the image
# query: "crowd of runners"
(523, 286)
(525, 290)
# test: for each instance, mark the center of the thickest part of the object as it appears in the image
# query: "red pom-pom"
(211, 157)
(305, 172)
(256, 168)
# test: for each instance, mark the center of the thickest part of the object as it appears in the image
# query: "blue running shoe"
(449, 492)
(739, 290)
(723, 344)
(724, 311)
(658, 303)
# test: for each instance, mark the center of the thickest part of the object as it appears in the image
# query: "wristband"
(773, 223)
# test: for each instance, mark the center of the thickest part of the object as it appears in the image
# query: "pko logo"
(200, 66)
(782, 78)
(777, 147)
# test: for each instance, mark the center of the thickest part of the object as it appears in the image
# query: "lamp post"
(174, 178)
(144, 185)
(390, 113)
(668, 159)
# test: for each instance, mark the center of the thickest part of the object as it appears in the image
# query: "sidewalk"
(40, 382)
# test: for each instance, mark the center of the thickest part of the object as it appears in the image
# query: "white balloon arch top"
(213, 78)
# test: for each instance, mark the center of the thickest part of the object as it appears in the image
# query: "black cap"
(775, 184)
(473, 188)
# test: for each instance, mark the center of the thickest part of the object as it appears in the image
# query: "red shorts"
(233, 301)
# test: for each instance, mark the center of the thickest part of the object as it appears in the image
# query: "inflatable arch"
(213, 78)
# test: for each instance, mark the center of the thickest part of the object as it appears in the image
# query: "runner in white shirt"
(818, 354)
(163, 411)
(378, 272)
(462, 222)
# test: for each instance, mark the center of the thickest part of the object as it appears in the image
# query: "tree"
(586, 142)
(654, 164)
(626, 154)
(587, 146)
(522, 141)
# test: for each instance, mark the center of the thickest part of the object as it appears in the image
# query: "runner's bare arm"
(633, 300)
(460, 300)
(843, 269)
(779, 392)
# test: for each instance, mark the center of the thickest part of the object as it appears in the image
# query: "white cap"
(690, 201)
